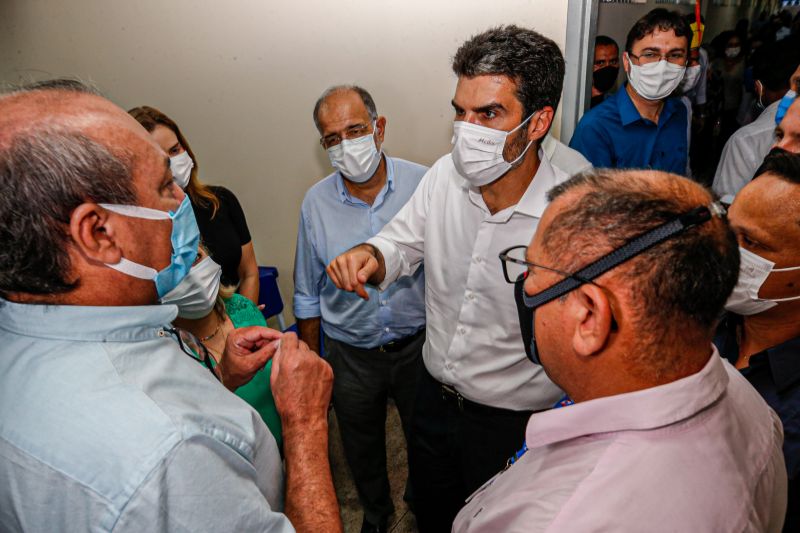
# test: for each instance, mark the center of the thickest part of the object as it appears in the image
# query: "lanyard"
(563, 402)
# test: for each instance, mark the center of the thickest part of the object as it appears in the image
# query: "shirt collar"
(346, 198)
(86, 323)
(628, 114)
(641, 410)
(533, 202)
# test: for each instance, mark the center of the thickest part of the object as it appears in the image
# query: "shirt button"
(462, 330)
(386, 330)
(470, 296)
(383, 302)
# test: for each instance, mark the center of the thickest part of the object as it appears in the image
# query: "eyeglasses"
(192, 346)
(677, 57)
(353, 132)
(515, 267)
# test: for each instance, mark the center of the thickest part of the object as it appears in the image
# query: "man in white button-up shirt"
(488, 194)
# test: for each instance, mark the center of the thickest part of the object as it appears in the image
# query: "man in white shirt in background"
(478, 388)
(775, 71)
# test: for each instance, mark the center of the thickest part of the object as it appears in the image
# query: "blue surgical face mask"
(185, 239)
(783, 107)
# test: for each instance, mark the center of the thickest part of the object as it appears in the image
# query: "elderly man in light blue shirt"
(108, 419)
(373, 345)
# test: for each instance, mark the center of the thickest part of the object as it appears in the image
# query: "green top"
(257, 392)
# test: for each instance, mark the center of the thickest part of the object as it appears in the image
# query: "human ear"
(380, 125)
(626, 63)
(594, 320)
(540, 123)
(93, 233)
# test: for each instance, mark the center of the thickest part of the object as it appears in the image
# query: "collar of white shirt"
(641, 410)
(533, 202)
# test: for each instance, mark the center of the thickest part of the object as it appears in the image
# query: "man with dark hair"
(618, 295)
(374, 346)
(605, 67)
(761, 333)
(640, 126)
(110, 421)
(476, 390)
(776, 71)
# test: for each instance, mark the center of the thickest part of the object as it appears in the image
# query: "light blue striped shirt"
(106, 425)
(331, 222)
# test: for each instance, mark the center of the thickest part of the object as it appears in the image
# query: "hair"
(533, 62)
(683, 281)
(199, 193)
(605, 40)
(45, 174)
(658, 19)
(61, 84)
(366, 98)
(774, 64)
(781, 163)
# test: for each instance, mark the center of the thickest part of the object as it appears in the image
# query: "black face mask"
(605, 78)
(525, 314)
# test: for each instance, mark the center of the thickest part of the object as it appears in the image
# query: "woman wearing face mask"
(211, 311)
(729, 70)
(220, 218)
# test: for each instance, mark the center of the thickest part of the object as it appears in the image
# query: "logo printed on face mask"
(478, 152)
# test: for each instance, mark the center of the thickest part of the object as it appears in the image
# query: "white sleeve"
(203, 485)
(402, 240)
(735, 167)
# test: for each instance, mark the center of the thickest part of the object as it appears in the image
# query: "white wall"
(241, 77)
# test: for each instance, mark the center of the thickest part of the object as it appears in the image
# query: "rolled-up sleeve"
(309, 273)
(203, 485)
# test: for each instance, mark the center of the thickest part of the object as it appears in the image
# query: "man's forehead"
(661, 38)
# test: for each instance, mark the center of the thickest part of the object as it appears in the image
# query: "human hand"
(352, 269)
(301, 382)
(247, 350)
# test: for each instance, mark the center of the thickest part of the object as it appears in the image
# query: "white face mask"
(655, 81)
(357, 159)
(691, 78)
(733, 51)
(196, 295)
(753, 272)
(478, 152)
(181, 166)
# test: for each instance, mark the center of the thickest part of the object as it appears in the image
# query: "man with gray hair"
(476, 390)
(111, 418)
(618, 296)
(374, 345)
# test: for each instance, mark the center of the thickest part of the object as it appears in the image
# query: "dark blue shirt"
(775, 374)
(614, 135)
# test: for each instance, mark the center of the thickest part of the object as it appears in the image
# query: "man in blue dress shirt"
(640, 126)
(761, 332)
(373, 345)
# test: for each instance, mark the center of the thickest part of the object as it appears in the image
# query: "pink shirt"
(699, 454)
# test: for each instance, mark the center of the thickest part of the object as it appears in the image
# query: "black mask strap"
(627, 251)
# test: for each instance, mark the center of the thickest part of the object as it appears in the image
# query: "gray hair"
(44, 175)
(530, 59)
(369, 103)
(74, 85)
